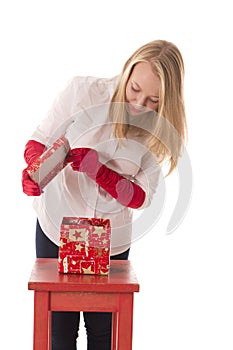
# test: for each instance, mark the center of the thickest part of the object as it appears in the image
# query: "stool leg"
(50, 330)
(125, 321)
(41, 321)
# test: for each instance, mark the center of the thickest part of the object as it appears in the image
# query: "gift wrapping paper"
(84, 245)
(50, 163)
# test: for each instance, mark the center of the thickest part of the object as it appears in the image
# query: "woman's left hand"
(126, 192)
(84, 160)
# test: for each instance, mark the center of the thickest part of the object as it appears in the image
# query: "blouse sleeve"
(148, 177)
(59, 116)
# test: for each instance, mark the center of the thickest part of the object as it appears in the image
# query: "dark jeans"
(65, 325)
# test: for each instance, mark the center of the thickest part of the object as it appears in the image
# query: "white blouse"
(81, 114)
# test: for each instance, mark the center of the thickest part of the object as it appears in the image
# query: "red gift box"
(50, 163)
(84, 246)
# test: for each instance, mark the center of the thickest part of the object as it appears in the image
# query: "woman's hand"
(33, 150)
(123, 190)
(84, 160)
(29, 186)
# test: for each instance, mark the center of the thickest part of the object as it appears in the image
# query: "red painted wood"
(67, 292)
(125, 321)
(41, 320)
(104, 302)
(121, 278)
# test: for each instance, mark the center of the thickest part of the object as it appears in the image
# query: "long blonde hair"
(167, 139)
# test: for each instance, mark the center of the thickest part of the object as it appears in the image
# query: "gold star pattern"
(62, 243)
(88, 270)
(78, 234)
(99, 230)
(78, 247)
(83, 235)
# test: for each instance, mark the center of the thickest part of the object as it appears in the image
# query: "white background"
(186, 296)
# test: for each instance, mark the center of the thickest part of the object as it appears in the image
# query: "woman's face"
(142, 89)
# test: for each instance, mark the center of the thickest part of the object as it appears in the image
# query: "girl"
(120, 131)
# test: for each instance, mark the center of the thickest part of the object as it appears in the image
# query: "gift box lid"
(50, 163)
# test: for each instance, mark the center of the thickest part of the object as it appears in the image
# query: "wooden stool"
(71, 292)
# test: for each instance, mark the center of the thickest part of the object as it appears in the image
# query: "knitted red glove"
(33, 150)
(125, 191)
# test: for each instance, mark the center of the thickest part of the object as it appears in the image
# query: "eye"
(154, 101)
(134, 89)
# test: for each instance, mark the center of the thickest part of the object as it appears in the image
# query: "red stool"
(68, 292)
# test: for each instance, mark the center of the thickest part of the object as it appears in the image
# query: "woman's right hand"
(33, 150)
(30, 188)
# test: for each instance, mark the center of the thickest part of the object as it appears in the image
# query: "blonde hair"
(167, 139)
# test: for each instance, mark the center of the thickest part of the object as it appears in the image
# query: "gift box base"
(72, 264)
(84, 246)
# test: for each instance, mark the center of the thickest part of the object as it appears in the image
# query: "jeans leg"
(121, 256)
(99, 324)
(65, 327)
(45, 248)
(99, 329)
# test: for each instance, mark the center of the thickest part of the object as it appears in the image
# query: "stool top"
(45, 277)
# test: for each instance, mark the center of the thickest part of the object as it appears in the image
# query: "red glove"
(125, 191)
(84, 160)
(29, 186)
(33, 150)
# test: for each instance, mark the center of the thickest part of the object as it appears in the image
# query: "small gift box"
(84, 246)
(50, 163)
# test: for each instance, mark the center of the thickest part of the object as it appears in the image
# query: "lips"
(135, 109)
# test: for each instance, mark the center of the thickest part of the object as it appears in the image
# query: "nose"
(141, 101)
